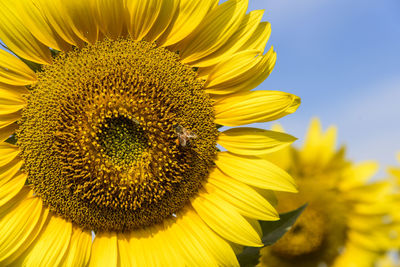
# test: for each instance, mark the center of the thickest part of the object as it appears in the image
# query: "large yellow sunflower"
(348, 221)
(116, 106)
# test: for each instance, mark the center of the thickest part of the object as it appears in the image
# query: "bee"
(184, 135)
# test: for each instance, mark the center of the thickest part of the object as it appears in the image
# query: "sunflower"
(115, 109)
(348, 220)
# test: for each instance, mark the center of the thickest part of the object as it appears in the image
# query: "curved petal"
(358, 175)
(217, 247)
(169, 9)
(11, 104)
(125, 255)
(57, 16)
(225, 220)
(51, 245)
(104, 250)
(236, 41)
(13, 71)
(110, 17)
(245, 199)
(256, 106)
(253, 141)
(14, 94)
(7, 130)
(8, 124)
(8, 154)
(83, 19)
(256, 172)
(190, 15)
(18, 38)
(138, 246)
(214, 31)
(12, 187)
(141, 16)
(259, 39)
(78, 253)
(189, 246)
(242, 72)
(319, 147)
(30, 13)
(20, 223)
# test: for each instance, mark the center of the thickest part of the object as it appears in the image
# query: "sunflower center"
(118, 135)
(306, 236)
(122, 141)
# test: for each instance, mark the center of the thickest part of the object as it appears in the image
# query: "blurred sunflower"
(116, 120)
(347, 221)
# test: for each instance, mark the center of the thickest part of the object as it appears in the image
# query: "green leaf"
(273, 231)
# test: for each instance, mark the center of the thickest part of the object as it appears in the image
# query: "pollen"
(98, 135)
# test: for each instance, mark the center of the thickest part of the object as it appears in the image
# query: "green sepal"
(273, 231)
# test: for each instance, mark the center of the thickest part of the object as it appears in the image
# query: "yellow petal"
(190, 15)
(78, 253)
(188, 246)
(7, 130)
(319, 147)
(371, 240)
(125, 253)
(369, 192)
(215, 246)
(256, 172)
(110, 17)
(245, 199)
(256, 225)
(18, 38)
(31, 14)
(21, 220)
(214, 31)
(259, 39)
(358, 175)
(355, 256)
(10, 107)
(83, 19)
(240, 73)
(253, 141)
(140, 248)
(169, 8)
(51, 245)
(13, 71)
(57, 16)
(8, 154)
(12, 187)
(141, 16)
(12, 94)
(168, 253)
(8, 124)
(252, 107)
(243, 33)
(283, 157)
(104, 250)
(223, 218)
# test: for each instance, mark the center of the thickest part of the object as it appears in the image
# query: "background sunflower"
(350, 219)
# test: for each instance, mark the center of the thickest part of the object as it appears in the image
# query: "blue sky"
(342, 58)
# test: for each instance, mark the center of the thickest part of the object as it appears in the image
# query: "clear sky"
(342, 57)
